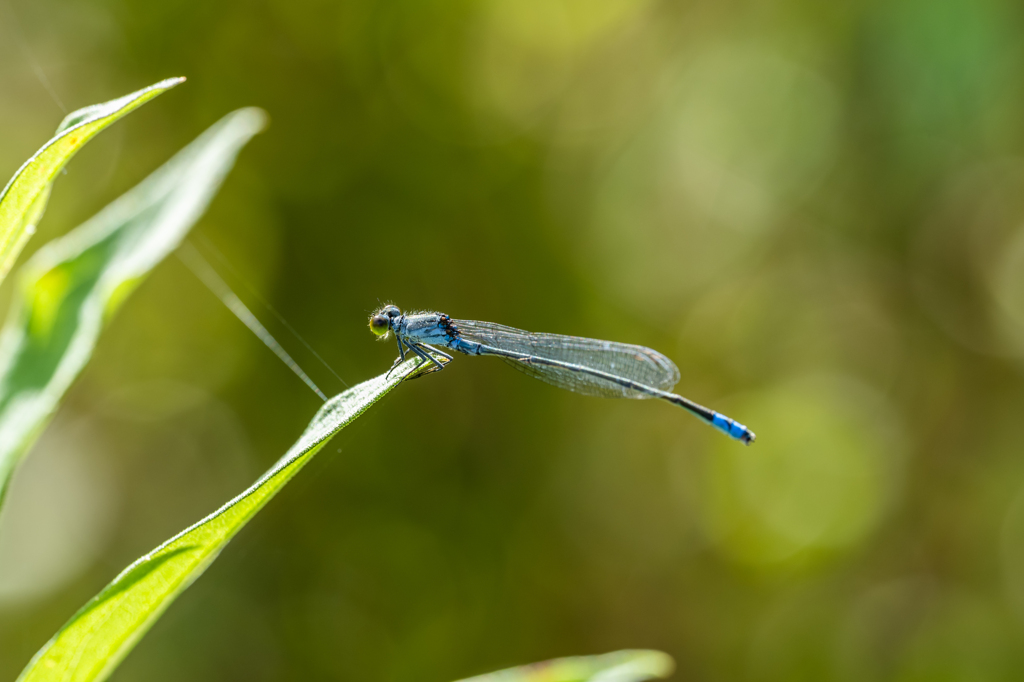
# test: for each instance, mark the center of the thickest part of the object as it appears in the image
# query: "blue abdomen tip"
(732, 428)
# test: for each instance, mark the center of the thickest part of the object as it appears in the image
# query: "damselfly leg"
(431, 364)
(427, 357)
(399, 359)
(426, 353)
(435, 351)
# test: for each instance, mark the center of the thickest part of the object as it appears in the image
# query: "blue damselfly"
(587, 366)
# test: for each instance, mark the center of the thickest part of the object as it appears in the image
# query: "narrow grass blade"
(72, 285)
(102, 633)
(24, 198)
(619, 666)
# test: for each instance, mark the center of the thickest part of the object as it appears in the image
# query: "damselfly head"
(380, 321)
(380, 325)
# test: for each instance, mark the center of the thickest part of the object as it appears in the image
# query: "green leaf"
(71, 286)
(102, 633)
(619, 666)
(24, 198)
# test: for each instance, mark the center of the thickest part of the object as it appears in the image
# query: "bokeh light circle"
(743, 137)
(818, 479)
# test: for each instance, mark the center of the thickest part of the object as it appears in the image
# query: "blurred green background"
(816, 209)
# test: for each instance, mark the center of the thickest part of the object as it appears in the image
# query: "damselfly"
(586, 366)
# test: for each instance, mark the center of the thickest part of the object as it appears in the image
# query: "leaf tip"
(661, 664)
(166, 84)
(257, 118)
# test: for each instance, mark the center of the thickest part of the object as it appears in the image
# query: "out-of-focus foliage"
(73, 285)
(618, 666)
(92, 644)
(23, 200)
(815, 209)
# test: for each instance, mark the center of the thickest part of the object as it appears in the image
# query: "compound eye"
(390, 311)
(379, 325)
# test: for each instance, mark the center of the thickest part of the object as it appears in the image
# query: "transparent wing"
(636, 363)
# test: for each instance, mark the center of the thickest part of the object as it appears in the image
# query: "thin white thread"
(224, 261)
(37, 70)
(195, 262)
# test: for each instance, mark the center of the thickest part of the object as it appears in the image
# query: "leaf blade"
(96, 639)
(71, 287)
(23, 200)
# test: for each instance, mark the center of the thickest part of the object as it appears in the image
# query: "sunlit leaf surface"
(24, 198)
(99, 636)
(71, 286)
(618, 666)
